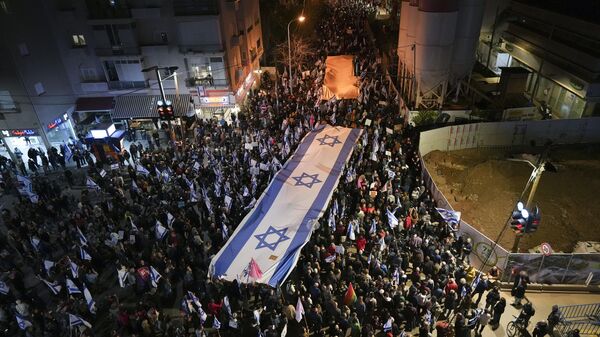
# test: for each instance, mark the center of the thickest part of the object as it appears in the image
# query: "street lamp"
(300, 19)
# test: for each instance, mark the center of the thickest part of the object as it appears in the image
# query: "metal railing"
(584, 317)
(120, 85)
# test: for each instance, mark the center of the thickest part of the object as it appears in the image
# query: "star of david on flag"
(262, 238)
(307, 180)
(332, 140)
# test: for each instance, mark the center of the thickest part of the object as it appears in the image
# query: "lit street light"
(300, 19)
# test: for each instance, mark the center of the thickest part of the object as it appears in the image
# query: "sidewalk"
(542, 303)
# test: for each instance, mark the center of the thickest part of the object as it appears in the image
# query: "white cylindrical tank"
(403, 31)
(436, 31)
(468, 27)
(411, 33)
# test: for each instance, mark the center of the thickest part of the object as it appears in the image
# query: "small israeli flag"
(82, 239)
(72, 288)
(122, 274)
(392, 220)
(89, 300)
(450, 216)
(35, 243)
(192, 297)
(203, 316)
(77, 321)
(160, 231)
(134, 186)
(170, 219)
(388, 325)
(227, 306)
(55, 288)
(48, 265)
(373, 229)
(91, 184)
(155, 276)
(4, 289)
(224, 231)
(351, 234)
(22, 322)
(142, 170)
(84, 255)
(216, 323)
(74, 268)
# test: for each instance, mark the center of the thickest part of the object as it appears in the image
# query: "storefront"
(213, 103)
(60, 130)
(17, 142)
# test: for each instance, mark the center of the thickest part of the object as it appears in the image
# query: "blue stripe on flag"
(256, 216)
(301, 237)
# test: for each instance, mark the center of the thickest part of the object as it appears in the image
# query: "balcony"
(200, 48)
(94, 86)
(195, 7)
(117, 51)
(122, 85)
(195, 81)
(102, 9)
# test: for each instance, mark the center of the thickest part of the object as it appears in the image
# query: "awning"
(94, 103)
(145, 106)
(215, 109)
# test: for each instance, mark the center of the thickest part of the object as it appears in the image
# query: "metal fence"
(573, 268)
(583, 317)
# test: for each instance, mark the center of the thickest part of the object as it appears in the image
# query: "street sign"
(546, 249)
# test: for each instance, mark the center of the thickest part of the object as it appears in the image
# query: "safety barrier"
(580, 269)
(584, 317)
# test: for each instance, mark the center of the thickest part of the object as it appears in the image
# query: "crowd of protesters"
(130, 256)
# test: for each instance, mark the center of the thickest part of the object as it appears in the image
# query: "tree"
(302, 52)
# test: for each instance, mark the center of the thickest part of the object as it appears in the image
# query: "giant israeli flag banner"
(282, 220)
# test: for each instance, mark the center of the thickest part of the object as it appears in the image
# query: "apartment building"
(82, 60)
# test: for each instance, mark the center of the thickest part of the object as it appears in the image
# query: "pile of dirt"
(485, 187)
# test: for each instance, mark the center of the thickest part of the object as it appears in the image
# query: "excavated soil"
(484, 186)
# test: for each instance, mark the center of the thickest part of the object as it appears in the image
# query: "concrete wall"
(507, 134)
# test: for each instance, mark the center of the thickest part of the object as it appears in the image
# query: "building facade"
(66, 51)
(560, 48)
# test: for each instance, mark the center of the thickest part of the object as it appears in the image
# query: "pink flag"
(254, 270)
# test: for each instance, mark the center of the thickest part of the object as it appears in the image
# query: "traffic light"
(533, 221)
(519, 219)
(165, 110)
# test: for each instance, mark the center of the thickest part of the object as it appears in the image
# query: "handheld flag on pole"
(72, 288)
(82, 239)
(91, 184)
(91, 304)
(35, 243)
(224, 231)
(216, 323)
(351, 234)
(160, 231)
(450, 216)
(142, 170)
(299, 310)
(392, 220)
(48, 265)
(55, 288)
(155, 276)
(227, 306)
(74, 268)
(84, 255)
(350, 296)
(77, 321)
(4, 289)
(170, 219)
(373, 229)
(388, 325)
(22, 322)
(122, 274)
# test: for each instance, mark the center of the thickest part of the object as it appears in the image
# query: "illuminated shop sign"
(19, 132)
(58, 121)
(215, 99)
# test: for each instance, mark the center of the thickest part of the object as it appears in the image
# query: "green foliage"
(425, 117)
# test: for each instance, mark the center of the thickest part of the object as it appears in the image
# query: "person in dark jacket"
(498, 311)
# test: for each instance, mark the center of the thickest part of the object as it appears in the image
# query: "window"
(112, 31)
(6, 101)
(87, 74)
(23, 50)
(39, 88)
(78, 40)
